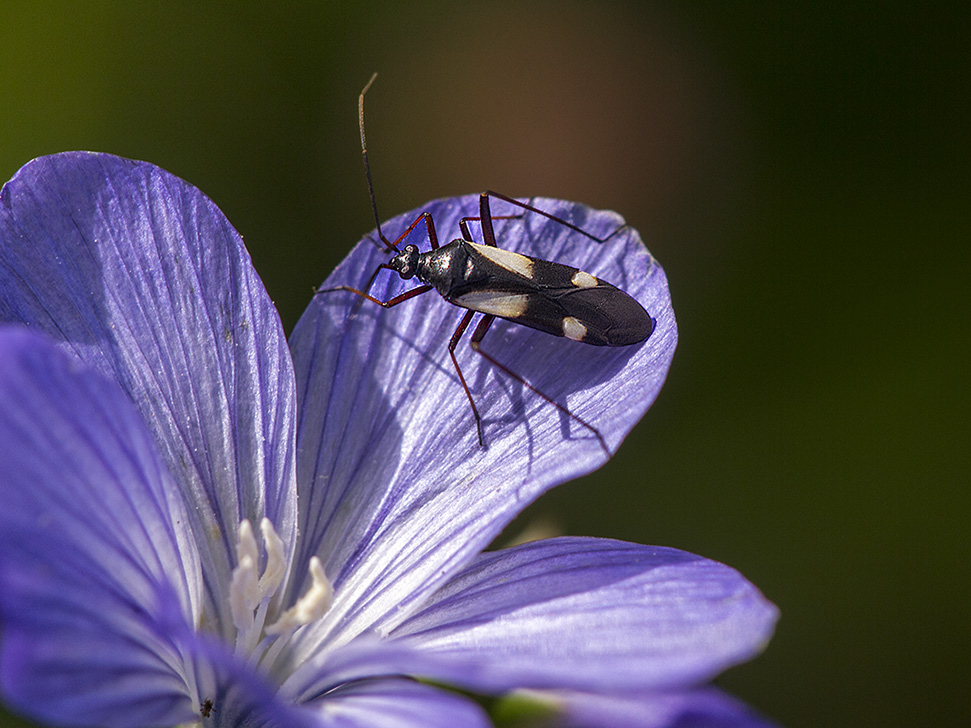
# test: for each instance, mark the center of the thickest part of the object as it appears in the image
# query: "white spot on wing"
(574, 329)
(507, 259)
(582, 279)
(506, 305)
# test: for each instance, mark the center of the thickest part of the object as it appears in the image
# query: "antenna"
(367, 167)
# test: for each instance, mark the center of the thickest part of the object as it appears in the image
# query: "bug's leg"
(464, 225)
(370, 281)
(367, 287)
(485, 214)
(459, 330)
(479, 333)
(432, 238)
(485, 219)
(425, 217)
(387, 304)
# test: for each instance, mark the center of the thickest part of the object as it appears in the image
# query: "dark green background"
(801, 173)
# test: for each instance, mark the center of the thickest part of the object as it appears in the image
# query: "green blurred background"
(801, 173)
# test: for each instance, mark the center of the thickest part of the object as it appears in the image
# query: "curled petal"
(396, 492)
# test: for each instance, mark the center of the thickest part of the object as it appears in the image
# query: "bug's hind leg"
(459, 331)
(477, 335)
(486, 217)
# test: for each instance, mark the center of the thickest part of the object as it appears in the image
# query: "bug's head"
(405, 262)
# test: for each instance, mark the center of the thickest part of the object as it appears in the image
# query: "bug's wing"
(602, 315)
(572, 303)
(550, 297)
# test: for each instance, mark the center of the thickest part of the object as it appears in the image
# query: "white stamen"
(244, 591)
(251, 596)
(276, 564)
(311, 606)
(246, 542)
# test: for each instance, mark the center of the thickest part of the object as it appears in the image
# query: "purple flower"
(203, 522)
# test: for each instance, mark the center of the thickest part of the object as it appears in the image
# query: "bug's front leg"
(387, 304)
(364, 294)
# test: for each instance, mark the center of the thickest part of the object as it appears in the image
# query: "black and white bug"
(486, 279)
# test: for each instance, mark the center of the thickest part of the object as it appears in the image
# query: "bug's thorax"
(443, 267)
(437, 267)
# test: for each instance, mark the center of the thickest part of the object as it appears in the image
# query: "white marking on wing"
(582, 279)
(506, 305)
(507, 259)
(574, 329)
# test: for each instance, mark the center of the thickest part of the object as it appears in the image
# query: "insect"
(205, 710)
(486, 279)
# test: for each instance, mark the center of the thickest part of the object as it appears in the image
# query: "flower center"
(251, 595)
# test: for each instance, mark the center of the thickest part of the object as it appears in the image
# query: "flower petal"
(701, 707)
(95, 566)
(589, 614)
(233, 693)
(396, 703)
(396, 492)
(143, 278)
